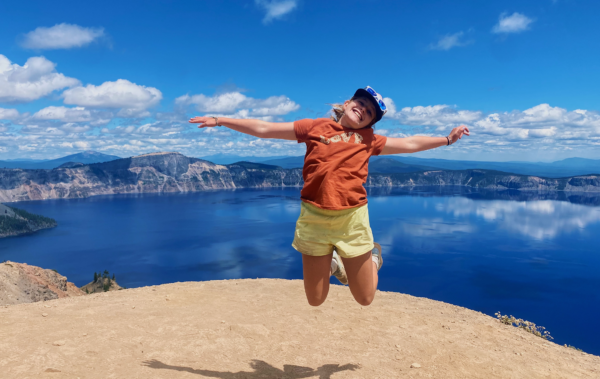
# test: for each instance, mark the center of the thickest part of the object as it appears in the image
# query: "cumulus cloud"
(238, 105)
(35, 79)
(553, 125)
(77, 114)
(541, 121)
(431, 115)
(449, 41)
(60, 36)
(8, 114)
(276, 9)
(133, 99)
(515, 23)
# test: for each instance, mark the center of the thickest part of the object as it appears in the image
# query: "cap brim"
(361, 92)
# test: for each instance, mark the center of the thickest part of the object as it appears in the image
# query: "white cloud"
(276, 9)
(238, 105)
(60, 36)
(77, 114)
(83, 145)
(431, 115)
(541, 133)
(35, 79)
(449, 41)
(8, 114)
(133, 99)
(542, 121)
(514, 23)
(535, 129)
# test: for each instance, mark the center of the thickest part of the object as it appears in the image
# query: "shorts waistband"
(331, 212)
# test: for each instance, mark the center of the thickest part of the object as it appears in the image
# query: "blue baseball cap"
(377, 99)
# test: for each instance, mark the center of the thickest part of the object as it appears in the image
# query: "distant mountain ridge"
(377, 164)
(87, 157)
(172, 172)
(225, 159)
(564, 168)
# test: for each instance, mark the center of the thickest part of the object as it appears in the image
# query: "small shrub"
(573, 347)
(526, 325)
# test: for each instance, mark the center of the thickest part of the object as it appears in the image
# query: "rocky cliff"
(157, 172)
(22, 283)
(488, 179)
(173, 172)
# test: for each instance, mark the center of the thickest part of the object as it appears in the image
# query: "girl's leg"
(362, 277)
(317, 271)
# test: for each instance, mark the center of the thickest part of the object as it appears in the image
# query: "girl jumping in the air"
(333, 232)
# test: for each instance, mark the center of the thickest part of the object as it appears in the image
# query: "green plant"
(526, 325)
(95, 277)
(573, 347)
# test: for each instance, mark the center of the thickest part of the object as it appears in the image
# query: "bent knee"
(316, 302)
(364, 300)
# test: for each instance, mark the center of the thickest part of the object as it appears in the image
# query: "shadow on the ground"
(261, 370)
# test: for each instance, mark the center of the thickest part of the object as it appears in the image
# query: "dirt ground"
(265, 329)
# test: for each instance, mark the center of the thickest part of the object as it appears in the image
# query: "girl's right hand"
(204, 121)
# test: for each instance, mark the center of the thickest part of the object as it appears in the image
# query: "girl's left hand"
(457, 133)
(203, 121)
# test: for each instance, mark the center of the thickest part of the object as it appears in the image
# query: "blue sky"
(123, 77)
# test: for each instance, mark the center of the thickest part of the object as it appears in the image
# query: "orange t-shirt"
(336, 162)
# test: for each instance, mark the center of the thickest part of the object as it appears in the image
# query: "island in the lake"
(14, 222)
(171, 172)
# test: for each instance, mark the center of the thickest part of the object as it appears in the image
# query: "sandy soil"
(265, 329)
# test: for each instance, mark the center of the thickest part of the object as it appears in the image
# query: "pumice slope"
(265, 329)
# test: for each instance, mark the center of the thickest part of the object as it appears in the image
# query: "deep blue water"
(535, 256)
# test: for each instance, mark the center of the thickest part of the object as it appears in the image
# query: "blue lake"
(535, 256)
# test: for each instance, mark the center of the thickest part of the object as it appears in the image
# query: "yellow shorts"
(319, 231)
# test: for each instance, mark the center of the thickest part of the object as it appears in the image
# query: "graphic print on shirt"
(344, 136)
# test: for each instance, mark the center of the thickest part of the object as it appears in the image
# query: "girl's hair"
(337, 111)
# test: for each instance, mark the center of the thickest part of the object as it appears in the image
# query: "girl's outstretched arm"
(256, 128)
(420, 143)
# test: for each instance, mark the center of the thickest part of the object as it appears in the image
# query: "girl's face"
(358, 113)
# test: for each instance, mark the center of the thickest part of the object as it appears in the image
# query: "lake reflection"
(542, 219)
(532, 255)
